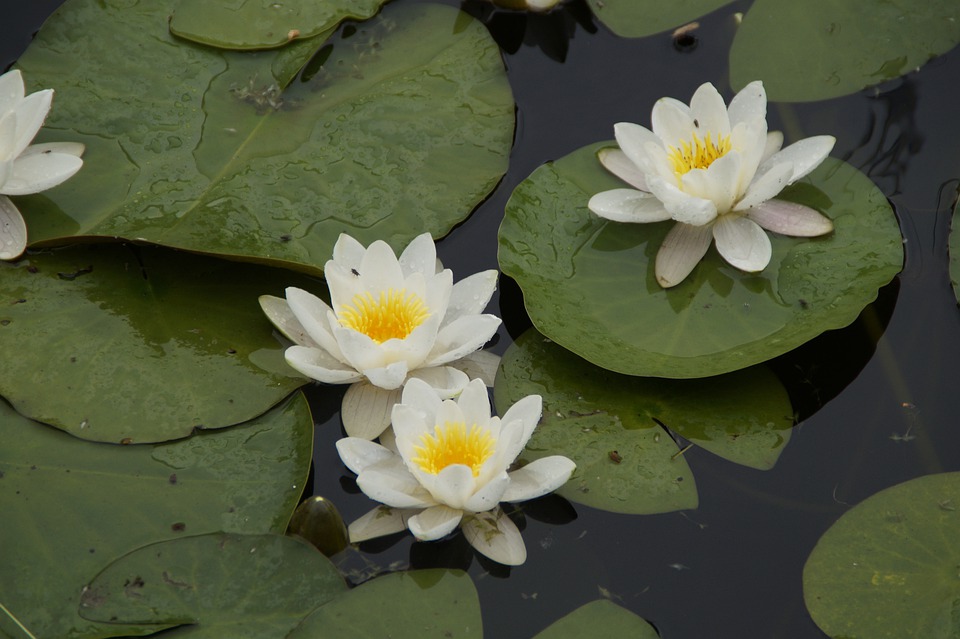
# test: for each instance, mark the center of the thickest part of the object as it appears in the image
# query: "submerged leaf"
(603, 613)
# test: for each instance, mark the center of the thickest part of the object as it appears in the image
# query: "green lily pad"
(263, 24)
(588, 283)
(603, 613)
(215, 585)
(388, 133)
(890, 567)
(419, 604)
(626, 462)
(638, 18)
(71, 506)
(820, 49)
(132, 346)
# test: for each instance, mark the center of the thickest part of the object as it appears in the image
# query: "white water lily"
(449, 469)
(26, 168)
(530, 5)
(389, 321)
(714, 170)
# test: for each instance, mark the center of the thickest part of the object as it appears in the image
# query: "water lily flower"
(389, 321)
(449, 469)
(715, 170)
(26, 168)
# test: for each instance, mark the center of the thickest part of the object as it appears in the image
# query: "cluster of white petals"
(389, 320)
(715, 171)
(26, 168)
(449, 468)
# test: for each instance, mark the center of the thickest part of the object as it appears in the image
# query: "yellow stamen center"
(393, 314)
(699, 154)
(453, 443)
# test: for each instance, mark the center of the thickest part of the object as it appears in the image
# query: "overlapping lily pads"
(890, 567)
(611, 425)
(262, 25)
(819, 49)
(398, 126)
(70, 506)
(588, 283)
(117, 344)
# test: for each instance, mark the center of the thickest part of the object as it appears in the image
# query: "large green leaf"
(400, 131)
(588, 283)
(419, 604)
(116, 344)
(70, 506)
(262, 24)
(216, 585)
(637, 18)
(890, 567)
(625, 461)
(819, 49)
(603, 614)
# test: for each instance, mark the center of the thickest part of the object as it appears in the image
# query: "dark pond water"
(732, 568)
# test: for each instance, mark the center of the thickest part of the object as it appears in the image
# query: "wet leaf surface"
(638, 18)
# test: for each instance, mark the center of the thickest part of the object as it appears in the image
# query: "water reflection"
(551, 31)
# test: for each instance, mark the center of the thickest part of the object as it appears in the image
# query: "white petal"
(527, 412)
(682, 249)
(489, 495)
(379, 269)
(538, 478)
(409, 428)
(419, 395)
(709, 112)
(617, 162)
(470, 295)
(70, 148)
(718, 183)
(750, 140)
(742, 243)
(434, 523)
(8, 133)
(805, 155)
(390, 483)
(389, 377)
(765, 186)
(420, 256)
(318, 364)
(358, 349)
(494, 535)
(451, 486)
(366, 409)
(672, 122)
(357, 454)
(379, 522)
(348, 252)
(749, 105)
(11, 90)
(446, 381)
(39, 172)
(462, 337)
(479, 364)
(344, 285)
(633, 140)
(13, 230)
(790, 218)
(628, 205)
(683, 207)
(280, 315)
(772, 144)
(474, 402)
(31, 112)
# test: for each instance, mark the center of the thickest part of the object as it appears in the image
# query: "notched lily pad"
(125, 345)
(70, 506)
(820, 49)
(400, 125)
(890, 567)
(589, 285)
(603, 613)
(625, 461)
(638, 18)
(263, 24)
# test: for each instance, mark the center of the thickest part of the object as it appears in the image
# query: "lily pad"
(626, 462)
(263, 24)
(418, 604)
(71, 506)
(638, 18)
(954, 245)
(389, 132)
(890, 567)
(820, 49)
(588, 283)
(603, 613)
(122, 345)
(215, 585)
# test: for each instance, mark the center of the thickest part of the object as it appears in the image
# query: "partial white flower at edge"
(715, 171)
(26, 168)
(389, 321)
(449, 469)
